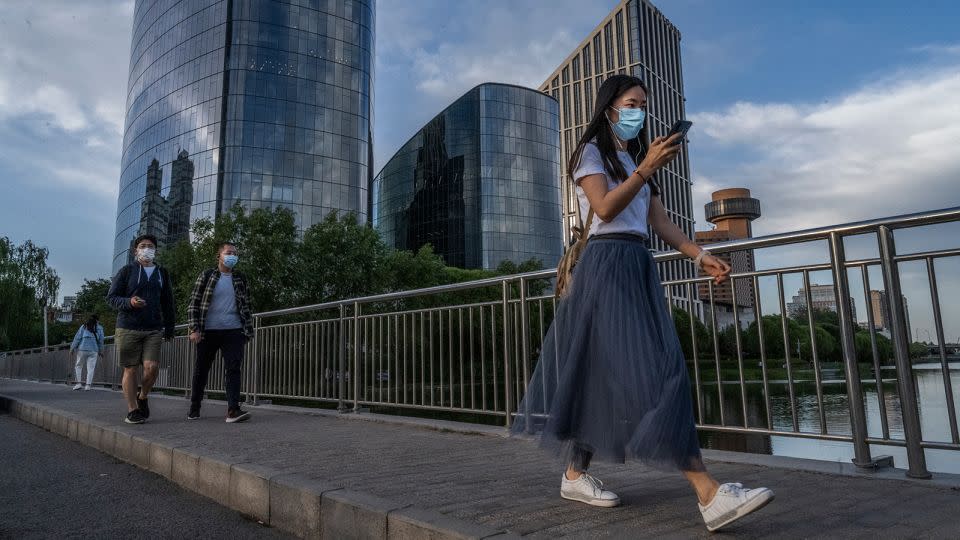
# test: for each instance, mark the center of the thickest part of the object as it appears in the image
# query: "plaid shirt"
(203, 294)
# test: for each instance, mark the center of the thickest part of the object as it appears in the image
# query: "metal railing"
(469, 348)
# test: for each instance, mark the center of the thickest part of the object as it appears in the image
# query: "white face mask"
(146, 254)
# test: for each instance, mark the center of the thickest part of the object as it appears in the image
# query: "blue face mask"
(230, 260)
(630, 124)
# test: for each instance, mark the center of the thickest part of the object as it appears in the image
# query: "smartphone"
(682, 127)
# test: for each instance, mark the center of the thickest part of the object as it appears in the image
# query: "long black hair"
(91, 323)
(599, 131)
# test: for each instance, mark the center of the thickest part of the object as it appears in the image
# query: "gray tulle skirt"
(611, 382)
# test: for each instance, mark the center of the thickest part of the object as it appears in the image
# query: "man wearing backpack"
(142, 293)
(219, 319)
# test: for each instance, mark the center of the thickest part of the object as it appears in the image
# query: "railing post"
(507, 371)
(525, 332)
(341, 384)
(858, 417)
(255, 361)
(356, 357)
(909, 409)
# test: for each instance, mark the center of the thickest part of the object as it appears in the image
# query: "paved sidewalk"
(494, 484)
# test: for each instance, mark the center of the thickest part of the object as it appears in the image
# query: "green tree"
(919, 349)
(342, 259)
(864, 348)
(681, 320)
(92, 299)
(268, 244)
(27, 286)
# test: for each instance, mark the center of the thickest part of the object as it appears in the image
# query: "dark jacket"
(159, 313)
(203, 294)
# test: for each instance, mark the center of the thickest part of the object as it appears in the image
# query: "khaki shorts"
(135, 346)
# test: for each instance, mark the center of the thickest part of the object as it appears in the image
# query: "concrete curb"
(294, 503)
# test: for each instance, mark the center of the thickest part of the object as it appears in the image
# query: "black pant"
(230, 344)
(580, 460)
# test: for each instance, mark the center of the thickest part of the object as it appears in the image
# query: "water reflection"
(934, 418)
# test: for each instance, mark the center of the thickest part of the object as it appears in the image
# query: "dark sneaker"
(144, 408)
(194, 413)
(237, 415)
(135, 417)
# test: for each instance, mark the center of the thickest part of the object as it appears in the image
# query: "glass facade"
(261, 104)
(479, 182)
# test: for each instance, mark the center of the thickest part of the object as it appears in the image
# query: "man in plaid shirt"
(219, 319)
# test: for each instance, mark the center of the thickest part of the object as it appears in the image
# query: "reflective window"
(286, 121)
(479, 182)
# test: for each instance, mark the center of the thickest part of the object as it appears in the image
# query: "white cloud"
(884, 149)
(102, 182)
(63, 71)
(425, 62)
(54, 103)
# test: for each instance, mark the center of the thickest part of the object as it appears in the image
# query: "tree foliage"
(27, 285)
(338, 258)
(92, 299)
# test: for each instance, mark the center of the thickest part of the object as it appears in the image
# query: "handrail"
(917, 219)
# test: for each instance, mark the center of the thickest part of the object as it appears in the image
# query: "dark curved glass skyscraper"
(258, 103)
(479, 182)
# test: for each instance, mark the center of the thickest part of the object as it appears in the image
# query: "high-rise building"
(822, 297)
(880, 309)
(635, 39)
(478, 182)
(261, 104)
(732, 211)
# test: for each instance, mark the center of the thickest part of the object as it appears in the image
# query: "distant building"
(732, 211)
(880, 311)
(822, 297)
(67, 312)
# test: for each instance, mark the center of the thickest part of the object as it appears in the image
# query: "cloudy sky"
(830, 112)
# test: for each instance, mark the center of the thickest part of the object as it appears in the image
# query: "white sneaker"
(589, 490)
(87, 387)
(78, 386)
(731, 503)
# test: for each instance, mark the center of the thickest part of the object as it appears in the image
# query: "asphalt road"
(51, 487)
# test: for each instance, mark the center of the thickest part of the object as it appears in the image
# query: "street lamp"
(45, 340)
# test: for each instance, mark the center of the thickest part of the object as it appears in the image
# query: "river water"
(934, 418)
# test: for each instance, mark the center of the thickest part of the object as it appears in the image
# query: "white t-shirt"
(633, 218)
(149, 270)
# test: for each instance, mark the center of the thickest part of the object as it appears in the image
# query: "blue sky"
(829, 111)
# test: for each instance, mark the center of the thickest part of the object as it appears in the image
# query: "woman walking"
(88, 346)
(612, 381)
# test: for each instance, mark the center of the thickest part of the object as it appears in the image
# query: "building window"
(576, 68)
(565, 75)
(619, 36)
(597, 53)
(608, 46)
(577, 104)
(566, 105)
(586, 61)
(588, 91)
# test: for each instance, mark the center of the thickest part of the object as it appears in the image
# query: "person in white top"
(88, 346)
(612, 381)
